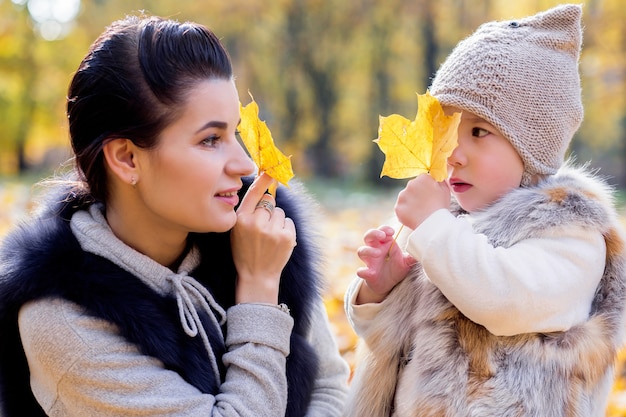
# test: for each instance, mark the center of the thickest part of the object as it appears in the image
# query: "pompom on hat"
(522, 77)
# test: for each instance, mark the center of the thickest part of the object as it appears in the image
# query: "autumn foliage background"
(322, 71)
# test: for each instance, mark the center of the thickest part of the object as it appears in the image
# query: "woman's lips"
(229, 197)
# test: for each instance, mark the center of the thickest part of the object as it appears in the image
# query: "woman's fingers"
(266, 204)
(255, 193)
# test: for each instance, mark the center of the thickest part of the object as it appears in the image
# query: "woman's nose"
(240, 163)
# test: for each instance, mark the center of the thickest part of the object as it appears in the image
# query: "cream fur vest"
(424, 358)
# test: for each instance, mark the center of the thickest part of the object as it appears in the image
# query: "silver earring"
(133, 181)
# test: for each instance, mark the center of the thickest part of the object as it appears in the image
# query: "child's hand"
(385, 265)
(421, 197)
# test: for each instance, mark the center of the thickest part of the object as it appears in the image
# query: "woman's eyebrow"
(213, 123)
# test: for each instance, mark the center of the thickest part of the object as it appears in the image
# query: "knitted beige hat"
(522, 77)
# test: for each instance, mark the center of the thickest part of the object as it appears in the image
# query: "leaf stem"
(394, 241)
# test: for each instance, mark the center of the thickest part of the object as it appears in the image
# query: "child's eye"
(479, 132)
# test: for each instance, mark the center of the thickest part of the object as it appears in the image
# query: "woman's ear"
(119, 155)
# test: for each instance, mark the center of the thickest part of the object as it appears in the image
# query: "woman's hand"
(262, 242)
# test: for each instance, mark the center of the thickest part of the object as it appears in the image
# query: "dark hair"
(131, 84)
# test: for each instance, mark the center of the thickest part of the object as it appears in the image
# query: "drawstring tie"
(187, 291)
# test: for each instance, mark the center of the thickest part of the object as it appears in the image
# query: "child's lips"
(458, 185)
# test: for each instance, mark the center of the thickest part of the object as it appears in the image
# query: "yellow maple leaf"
(420, 146)
(257, 138)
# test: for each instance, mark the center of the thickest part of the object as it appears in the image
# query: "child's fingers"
(388, 230)
(376, 237)
(366, 253)
(409, 260)
(366, 273)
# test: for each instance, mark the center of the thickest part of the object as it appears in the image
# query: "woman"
(146, 287)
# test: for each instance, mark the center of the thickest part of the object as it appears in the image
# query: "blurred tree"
(601, 137)
(18, 69)
(322, 71)
(381, 25)
(312, 51)
(30, 87)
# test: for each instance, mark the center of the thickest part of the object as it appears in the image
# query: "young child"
(510, 300)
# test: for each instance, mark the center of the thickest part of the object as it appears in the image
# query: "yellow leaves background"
(420, 146)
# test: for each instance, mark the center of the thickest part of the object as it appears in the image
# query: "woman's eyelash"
(211, 139)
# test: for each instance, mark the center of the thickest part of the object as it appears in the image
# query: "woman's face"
(189, 181)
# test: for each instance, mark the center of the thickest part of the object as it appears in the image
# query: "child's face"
(484, 166)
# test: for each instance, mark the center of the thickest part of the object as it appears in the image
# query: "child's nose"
(457, 157)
